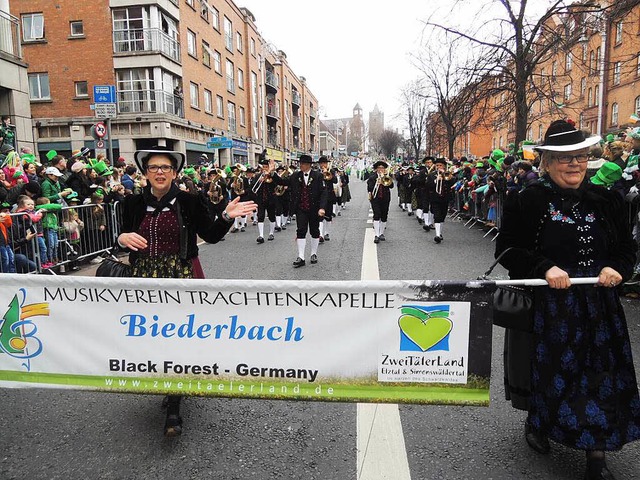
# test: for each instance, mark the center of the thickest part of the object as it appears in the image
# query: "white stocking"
(302, 242)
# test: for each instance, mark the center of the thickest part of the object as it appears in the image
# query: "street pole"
(110, 133)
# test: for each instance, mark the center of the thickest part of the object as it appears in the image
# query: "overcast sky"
(354, 51)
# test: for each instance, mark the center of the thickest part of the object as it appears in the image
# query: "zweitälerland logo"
(424, 328)
(17, 333)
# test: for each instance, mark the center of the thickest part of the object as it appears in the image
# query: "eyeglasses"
(157, 168)
(566, 159)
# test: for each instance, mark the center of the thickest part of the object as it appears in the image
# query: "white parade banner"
(400, 341)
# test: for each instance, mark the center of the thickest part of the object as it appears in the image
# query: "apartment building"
(193, 75)
(14, 88)
(594, 80)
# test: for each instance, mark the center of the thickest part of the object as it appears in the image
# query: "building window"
(206, 54)
(240, 79)
(583, 86)
(554, 69)
(616, 73)
(540, 132)
(591, 62)
(204, 10)
(217, 62)
(194, 94)
(619, 32)
(239, 42)
(597, 59)
(252, 46)
(638, 65)
(208, 101)
(39, 86)
(215, 17)
(590, 98)
(32, 27)
(581, 121)
(584, 50)
(596, 96)
(77, 28)
(231, 84)
(191, 44)
(567, 92)
(637, 106)
(231, 111)
(219, 106)
(228, 34)
(191, 3)
(614, 114)
(568, 62)
(243, 116)
(82, 90)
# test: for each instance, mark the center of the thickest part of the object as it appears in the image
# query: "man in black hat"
(308, 203)
(263, 188)
(439, 184)
(379, 186)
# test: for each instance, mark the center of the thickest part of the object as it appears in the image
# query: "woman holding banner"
(160, 228)
(574, 374)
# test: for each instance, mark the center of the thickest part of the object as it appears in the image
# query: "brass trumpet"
(327, 175)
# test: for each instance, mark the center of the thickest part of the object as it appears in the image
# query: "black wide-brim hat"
(305, 159)
(380, 163)
(440, 160)
(561, 136)
(142, 156)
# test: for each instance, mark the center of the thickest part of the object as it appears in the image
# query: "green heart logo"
(424, 330)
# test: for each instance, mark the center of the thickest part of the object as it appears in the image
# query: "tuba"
(238, 181)
(216, 193)
(280, 189)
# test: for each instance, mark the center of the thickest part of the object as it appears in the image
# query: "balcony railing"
(272, 139)
(10, 35)
(146, 40)
(296, 121)
(271, 79)
(295, 98)
(313, 113)
(149, 101)
(273, 111)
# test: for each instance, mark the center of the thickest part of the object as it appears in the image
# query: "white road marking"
(382, 453)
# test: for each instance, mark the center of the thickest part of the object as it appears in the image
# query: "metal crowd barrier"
(84, 232)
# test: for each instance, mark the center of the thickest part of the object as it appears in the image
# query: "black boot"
(173, 421)
(597, 467)
(536, 440)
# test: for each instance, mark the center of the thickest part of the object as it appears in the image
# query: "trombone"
(280, 189)
(384, 180)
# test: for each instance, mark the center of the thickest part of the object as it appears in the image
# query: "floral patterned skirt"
(584, 392)
(162, 266)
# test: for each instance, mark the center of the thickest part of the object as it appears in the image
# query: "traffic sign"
(101, 130)
(104, 94)
(106, 110)
(100, 144)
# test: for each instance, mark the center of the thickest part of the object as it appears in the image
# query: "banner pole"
(539, 282)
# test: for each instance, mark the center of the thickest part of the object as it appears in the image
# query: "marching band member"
(439, 184)
(379, 186)
(283, 198)
(238, 184)
(251, 178)
(419, 185)
(308, 203)
(408, 189)
(346, 193)
(263, 188)
(330, 181)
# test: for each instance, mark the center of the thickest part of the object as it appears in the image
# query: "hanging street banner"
(360, 341)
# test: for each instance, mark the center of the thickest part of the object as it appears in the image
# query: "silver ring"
(613, 284)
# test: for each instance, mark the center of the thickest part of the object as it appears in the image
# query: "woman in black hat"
(574, 373)
(160, 229)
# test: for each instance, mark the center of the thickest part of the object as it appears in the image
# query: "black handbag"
(112, 267)
(512, 306)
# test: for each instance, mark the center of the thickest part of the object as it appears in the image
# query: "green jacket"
(51, 190)
(50, 219)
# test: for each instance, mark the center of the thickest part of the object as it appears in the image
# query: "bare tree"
(416, 111)
(390, 140)
(452, 77)
(517, 43)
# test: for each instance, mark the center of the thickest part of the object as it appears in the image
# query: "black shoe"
(420, 221)
(410, 214)
(173, 425)
(242, 229)
(283, 227)
(321, 238)
(381, 237)
(299, 262)
(537, 441)
(270, 237)
(314, 258)
(603, 474)
(376, 240)
(426, 228)
(437, 238)
(277, 229)
(339, 214)
(260, 240)
(233, 230)
(326, 237)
